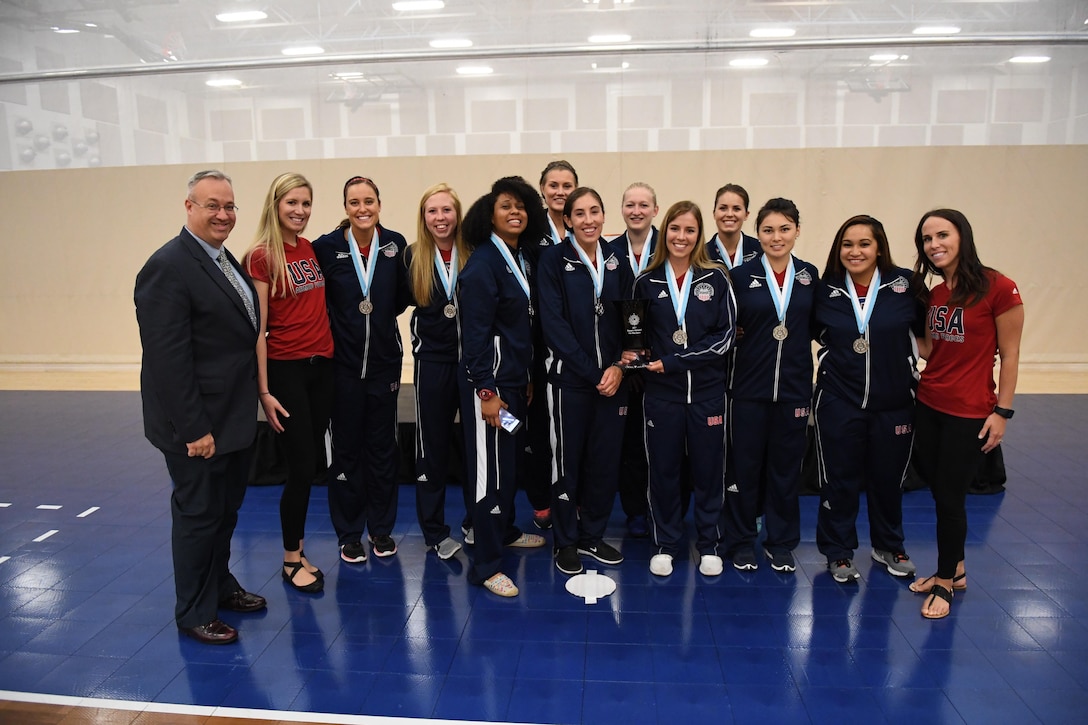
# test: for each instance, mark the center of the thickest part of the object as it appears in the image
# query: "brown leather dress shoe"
(243, 601)
(214, 632)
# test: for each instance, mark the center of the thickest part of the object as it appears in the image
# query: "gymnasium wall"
(74, 239)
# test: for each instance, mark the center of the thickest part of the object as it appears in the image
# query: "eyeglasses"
(214, 208)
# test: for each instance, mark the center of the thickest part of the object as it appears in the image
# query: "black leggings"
(947, 453)
(304, 389)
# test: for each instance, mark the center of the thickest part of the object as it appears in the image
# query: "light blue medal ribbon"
(557, 238)
(515, 267)
(638, 264)
(679, 297)
(365, 275)
(596, 273)
(729, 263)
(780, 297)
(863, 312)
(448, 278)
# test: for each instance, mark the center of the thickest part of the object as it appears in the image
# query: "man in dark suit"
(197, 312)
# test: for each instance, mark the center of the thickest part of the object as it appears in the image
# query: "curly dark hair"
(477, 224)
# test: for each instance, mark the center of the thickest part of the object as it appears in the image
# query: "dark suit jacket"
(199, 372)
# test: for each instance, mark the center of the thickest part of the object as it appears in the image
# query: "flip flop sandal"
(955, 587)
(502, 585)
(528, 541)
(939, 592)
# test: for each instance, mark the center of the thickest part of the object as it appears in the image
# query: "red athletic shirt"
(959, 375)
(298, 324)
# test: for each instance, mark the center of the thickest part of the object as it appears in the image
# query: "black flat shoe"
(295, 567)
(316, 572)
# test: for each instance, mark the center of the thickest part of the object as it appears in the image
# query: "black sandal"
(296, 566)
(955, 587)
(939, 592)
(316, 572)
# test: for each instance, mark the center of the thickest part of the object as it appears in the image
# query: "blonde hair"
(699, 257)
(269, 236)
(639, 185)
(421, 268)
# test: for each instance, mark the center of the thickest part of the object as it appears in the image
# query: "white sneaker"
(661, 564)
(710, 565)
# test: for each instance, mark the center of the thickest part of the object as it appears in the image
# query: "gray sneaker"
(447, 548)
(896, 562)
(843, 570)
(470, 535)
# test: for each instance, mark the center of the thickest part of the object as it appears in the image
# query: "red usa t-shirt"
(298, 324)
(959, 375)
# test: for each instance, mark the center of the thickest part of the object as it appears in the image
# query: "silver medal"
(680, 337)
(366, 307)
(861, 346)
(450, 311)
(780, 332)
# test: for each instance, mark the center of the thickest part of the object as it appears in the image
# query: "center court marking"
(591, 586)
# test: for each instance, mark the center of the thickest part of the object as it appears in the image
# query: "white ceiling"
(146, 36)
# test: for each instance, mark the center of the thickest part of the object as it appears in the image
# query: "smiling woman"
(692, 317)
(497, 318)
(294, 357)
(367, 287)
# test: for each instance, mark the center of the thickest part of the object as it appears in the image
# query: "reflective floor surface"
(86, 601)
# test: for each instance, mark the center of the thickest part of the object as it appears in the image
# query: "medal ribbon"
(729, 263)
(780, 297)
(447, 277)
(365, 275)
(557, 238)
(679, 296)
(637, 264)
(595, 273)
(863, 312)
(515, 267)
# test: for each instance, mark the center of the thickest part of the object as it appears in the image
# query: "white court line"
(225, 712)
(88, 512)
(4, 505)
(49, 507)
(45, 536)
(4, 558)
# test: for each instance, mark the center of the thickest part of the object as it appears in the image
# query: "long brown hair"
(699, 257)
(972, 282)
(269, 236)
(421, 269)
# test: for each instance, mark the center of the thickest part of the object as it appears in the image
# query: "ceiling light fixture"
(304, 50)
(347, 75)
(610, 38)
(1030, 59)
(450, 43)
(754, 62)
(418, 6)
(883, 57)
(223, 82)
(936, 30)
(606, 68)
(241, 16)
(474, 70)
(63, 31)
(772, 33)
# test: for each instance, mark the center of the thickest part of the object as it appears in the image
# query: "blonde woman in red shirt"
(294, 357)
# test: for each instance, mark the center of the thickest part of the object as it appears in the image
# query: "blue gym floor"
(86, 611)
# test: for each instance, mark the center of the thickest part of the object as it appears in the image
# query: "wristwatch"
(485, 394)
(1005, 413)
